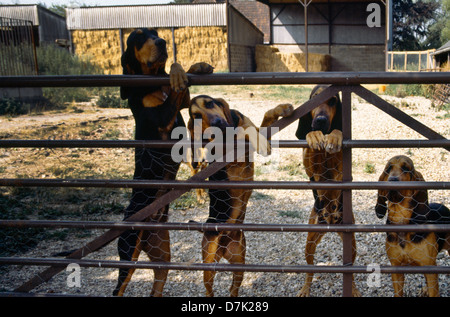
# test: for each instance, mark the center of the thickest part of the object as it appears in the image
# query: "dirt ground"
(265, 206)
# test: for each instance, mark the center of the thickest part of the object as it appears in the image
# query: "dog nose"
(219, 123)
(160, 43)
(393, 179)
(321, 120)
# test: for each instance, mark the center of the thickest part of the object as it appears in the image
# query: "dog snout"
(160, 43)
(320, 122)
(219, 123)
(393, 179)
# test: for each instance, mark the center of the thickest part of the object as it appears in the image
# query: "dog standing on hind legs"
(229, 205)
(322, 129)
(408, 206)
(156, 111)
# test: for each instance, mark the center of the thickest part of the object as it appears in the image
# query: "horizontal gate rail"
(337, 78)
(11, 143)
(194, 226)
(97, 183)
(219, 267)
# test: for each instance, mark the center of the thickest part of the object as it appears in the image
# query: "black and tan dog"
(229, 205)
(409, 206)
(322, 129)
(156, 111)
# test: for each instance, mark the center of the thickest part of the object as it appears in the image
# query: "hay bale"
(270, 59)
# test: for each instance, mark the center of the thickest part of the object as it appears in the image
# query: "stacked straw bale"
(270, 59)
(193, 44)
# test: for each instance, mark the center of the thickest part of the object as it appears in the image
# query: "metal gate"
(344, 83)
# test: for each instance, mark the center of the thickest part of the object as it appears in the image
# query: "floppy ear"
(420, 195)
(337, 120)
(226, 110)
(304, 126)
(381, 206)
(130, 65)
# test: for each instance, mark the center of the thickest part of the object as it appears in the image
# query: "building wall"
(336, 29)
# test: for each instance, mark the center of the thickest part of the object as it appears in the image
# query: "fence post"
(347, 194)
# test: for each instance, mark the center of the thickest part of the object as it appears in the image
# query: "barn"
(215, 33)
(48, 26)
(333, 35)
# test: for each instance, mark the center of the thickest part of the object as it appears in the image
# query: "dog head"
(213, 112)
(400, 168)
(146, 53)
(326, 117)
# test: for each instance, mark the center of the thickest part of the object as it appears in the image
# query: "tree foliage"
(415, 24)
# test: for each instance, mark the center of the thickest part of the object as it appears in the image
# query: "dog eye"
(406, 168)
(388, 169)
(209, 104)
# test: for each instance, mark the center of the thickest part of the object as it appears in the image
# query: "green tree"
(413, 22)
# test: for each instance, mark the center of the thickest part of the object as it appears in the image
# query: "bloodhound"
(229, 205)
(407, 206)
(156, 111)
(322, 129)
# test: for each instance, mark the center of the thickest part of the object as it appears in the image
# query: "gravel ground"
(290, 207)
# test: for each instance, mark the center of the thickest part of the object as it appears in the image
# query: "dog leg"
(316, 140)
(235, 254)
(272, 115)
(201, 68)
(157, 246)
(333, 142)
(312, 241)
(398, 281)
(178, 78)
(127, 253)
(210, 254)
(432, 285)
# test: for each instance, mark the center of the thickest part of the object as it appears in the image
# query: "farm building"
(337, 35)
(442, 56)
(47, 26)
(22, 28)
(214, 33)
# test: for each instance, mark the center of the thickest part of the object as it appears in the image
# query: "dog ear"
(336, 124)
(130, 65)
(381, 206)
(304, 126)
(420, 196)
(226, 110)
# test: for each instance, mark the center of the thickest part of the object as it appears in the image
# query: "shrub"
(13, 107)
(53, 60)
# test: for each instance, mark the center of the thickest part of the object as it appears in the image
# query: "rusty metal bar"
(397, 113)
(12, 143)
(260, 78)
(188, 184)
(224, 267)
(220, 267)
(195, 226)
(347, 207)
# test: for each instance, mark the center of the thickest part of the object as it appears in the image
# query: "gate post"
(347, 193)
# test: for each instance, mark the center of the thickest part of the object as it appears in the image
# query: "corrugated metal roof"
(21, 12)
(156, 16)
